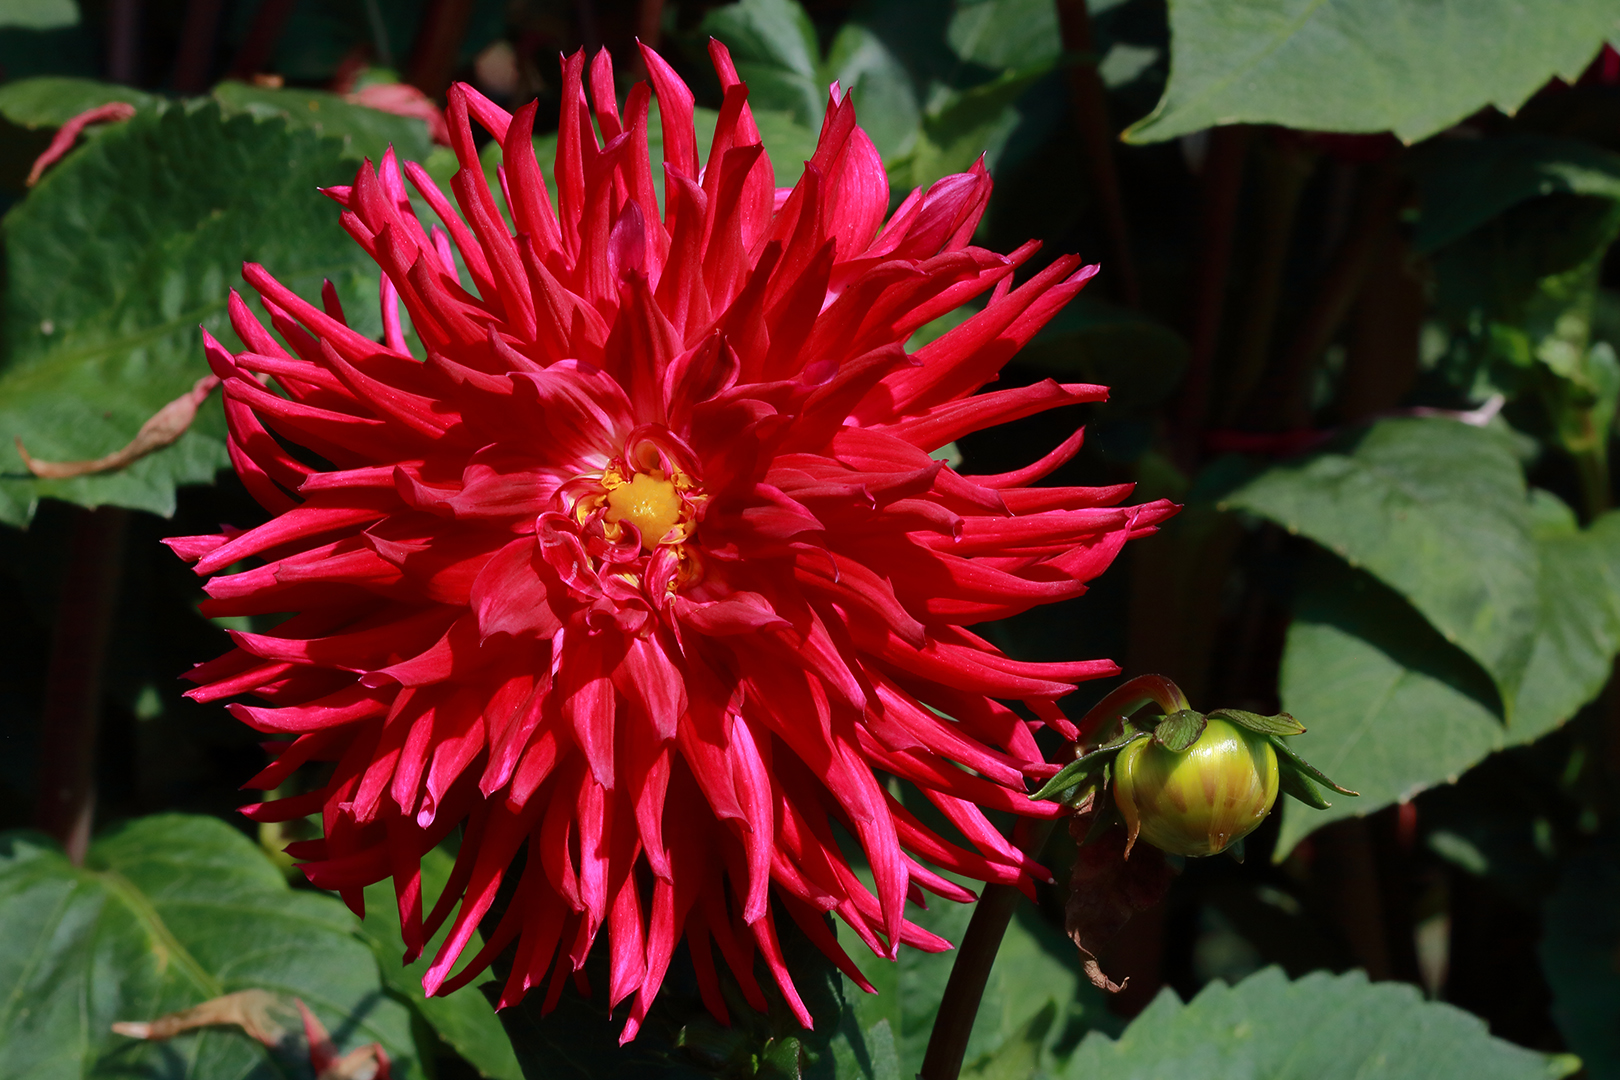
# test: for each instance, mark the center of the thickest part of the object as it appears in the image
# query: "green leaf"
(463, 1019)
(773, 44)
(365, 132)
(1005, 33)
(1578, 625)
(166, 913)
(1413, 67)
(1391, 709)
(885, 99)
(1582, 921)
(1322, 1027)
(1020, 1055)
(40, 14)
(1281, 724)
(960, 125)
(1297, 785)
(114, 260)
(1437, 510)
(1179, 730)
(49, 101)
(1291, 763)
(1087, 764)
(1463, 183)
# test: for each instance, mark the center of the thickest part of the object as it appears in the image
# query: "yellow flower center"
(649, 502)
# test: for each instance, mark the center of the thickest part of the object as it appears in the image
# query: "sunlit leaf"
(1413, 67)
(1391, 709)
(1435, 509)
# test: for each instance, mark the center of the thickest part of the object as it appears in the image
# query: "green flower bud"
(1201, 800)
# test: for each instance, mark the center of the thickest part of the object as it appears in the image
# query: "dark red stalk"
(65, 801)
(124, 41)
(650, 23)
(1287, 165)
(1090, 103)
(974, 958)
(438, 45)
(260, 45)
(195, 59)
(1335, 295)
(1222, 184)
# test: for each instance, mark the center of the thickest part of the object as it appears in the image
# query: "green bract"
(1200, 800)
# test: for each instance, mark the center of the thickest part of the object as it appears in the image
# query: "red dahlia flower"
(647, 566)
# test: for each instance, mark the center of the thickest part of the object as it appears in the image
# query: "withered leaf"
(1107, 889)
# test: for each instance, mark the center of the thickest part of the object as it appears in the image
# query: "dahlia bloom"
(646, 566)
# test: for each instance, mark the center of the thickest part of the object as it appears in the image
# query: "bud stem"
(971, 971)
(1132, 695)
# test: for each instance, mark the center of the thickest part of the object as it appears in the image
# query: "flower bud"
(1201, 800)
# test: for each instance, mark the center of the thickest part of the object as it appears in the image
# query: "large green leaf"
(1578, 956)
(166, 913)
(1391, 709)
(114, 260)
(778, 55)
(1322, 1027)
(463, 1019)
(1005, 33)
(1437, 510)
(885, 99)
(1388, 707)
(1578, 624)
(1413, 67)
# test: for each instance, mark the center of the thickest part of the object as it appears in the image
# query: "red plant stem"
(1222, 185)
(650, 23)
(1287, 165)
(589, 36)
(1090, 103)
(953, 1024)
(123, 41)
(196, 53)
(65, 802)
(1336, 294)
(438, 45)
(256, 51)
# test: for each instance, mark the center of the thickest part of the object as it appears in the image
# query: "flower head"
(645, 566)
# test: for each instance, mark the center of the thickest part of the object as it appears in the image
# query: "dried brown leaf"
(165, 426)
(254, 1011)
(1107, 889)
